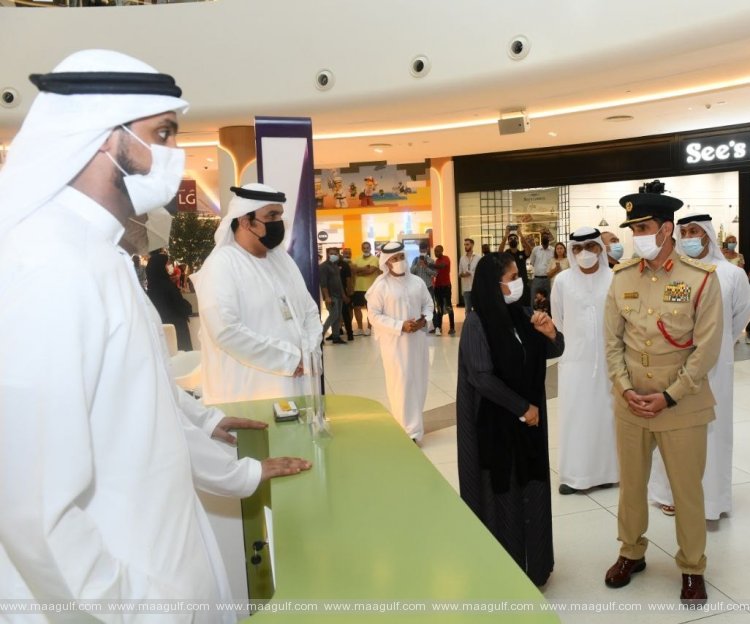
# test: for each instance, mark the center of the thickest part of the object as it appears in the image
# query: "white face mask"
(158, 187)
(516, 290)
(399, 266)
(646, 247)
(587, 259)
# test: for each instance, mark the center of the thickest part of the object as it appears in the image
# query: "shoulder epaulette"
(704, 266)
(625, 264)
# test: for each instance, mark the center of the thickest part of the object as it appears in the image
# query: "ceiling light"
(208, 143)
(380, 147)
(554, 112)
(552, 134)
(618, 118)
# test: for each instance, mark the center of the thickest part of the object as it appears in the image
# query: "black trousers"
(346, 317)
(443, 306)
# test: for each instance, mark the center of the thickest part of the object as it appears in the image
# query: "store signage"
(322, 236)
(187, 196)
(715, 150)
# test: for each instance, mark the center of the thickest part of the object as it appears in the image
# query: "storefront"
(372, 202)
(709, 170)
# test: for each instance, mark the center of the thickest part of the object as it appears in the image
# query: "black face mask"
(274, 234)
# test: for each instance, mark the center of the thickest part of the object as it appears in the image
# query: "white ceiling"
(689, 60)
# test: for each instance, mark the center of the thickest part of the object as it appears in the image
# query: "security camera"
(9, 97)
(518, 48)
(324, 79)
(420, 66)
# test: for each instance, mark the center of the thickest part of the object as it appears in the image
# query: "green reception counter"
(371, 532)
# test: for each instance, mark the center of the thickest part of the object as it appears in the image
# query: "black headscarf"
(507, 445)
(496, 315)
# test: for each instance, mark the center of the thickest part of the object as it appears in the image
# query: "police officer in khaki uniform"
(663, 324)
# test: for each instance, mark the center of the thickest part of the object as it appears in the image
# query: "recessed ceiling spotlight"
(324, 79)
(518, 47)
(380, 146)
(552, 134)
(616, 118)
(420, 66)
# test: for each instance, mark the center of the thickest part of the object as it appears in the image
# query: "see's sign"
(716, 150)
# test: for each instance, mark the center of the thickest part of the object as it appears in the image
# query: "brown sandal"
(668, 510)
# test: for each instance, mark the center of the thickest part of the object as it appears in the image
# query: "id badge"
(286, 312)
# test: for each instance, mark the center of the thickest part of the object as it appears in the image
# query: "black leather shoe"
(566, 489)
(619, 574)
(693, 589)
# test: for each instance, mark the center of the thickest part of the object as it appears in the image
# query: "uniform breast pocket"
(629, 308)
(677, 321)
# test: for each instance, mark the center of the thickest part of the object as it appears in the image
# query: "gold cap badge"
(628, 206)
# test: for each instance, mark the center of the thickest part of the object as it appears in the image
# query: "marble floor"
(584, 525)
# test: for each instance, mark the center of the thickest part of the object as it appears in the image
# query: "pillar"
(236, 160)
(444, 219)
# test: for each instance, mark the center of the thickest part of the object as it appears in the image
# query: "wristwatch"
(670, 401)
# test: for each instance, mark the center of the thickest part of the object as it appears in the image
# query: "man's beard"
(126, 162)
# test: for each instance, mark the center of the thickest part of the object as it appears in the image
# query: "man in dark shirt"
(520, 254)
(333, 293)
(348, 286)
(443, 292)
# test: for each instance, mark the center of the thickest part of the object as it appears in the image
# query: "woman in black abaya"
(172, 306)
(503, 460)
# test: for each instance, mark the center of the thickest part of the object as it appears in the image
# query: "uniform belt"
(656, 359)
(541, 277)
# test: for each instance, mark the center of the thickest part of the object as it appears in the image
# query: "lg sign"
(731, 150)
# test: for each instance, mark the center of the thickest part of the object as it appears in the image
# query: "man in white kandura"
(98, 458)
(400, 308)
(260, 328)
(587, 453)
(696, 238)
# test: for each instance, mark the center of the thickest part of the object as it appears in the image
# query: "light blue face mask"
(616, 250)
(692, 247)
(731, 246)
(333, 258)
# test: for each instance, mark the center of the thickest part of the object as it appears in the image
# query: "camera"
(518, 48)
(9, 97)
(652, 187)
(420, 66)
(324, 79)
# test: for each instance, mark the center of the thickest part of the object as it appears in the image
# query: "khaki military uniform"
(663, 333)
